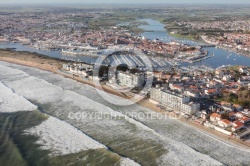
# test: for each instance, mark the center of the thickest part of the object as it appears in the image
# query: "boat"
(212, 54)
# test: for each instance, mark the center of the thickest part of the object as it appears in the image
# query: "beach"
(52, 65)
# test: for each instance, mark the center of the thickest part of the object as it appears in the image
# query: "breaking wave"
(59, 96)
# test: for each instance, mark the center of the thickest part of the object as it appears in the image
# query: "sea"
(131, 133)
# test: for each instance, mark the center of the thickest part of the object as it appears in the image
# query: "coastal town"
(230, 35)
(124, 84)
(196, 92)
(74, 38)
(239, 43)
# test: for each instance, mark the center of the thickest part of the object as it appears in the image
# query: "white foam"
(128, 162)
(62, 138)
(11, 102)
(176, 138)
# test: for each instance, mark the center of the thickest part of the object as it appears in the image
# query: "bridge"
(207, 45)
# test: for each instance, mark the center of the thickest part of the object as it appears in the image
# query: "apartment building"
(131, 80)
(175, 101)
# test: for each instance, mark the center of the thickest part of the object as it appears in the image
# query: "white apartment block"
(177, 102)
(131, 80)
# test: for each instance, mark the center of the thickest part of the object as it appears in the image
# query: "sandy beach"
(53, 65)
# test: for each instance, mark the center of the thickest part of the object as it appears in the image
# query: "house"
(158, 75)
(219, 73)
(192, 93)
(176, 77)
(243, 81)
(237, 126)
(211, 92)
(227, 106)
(243, 70)
(66, 66)
(232, 116)
(203, 114)
(186, 78)
(215, 117)
(218, 80)
(211, 84)
(244, 119)
(224, 123)
(246, 112)
(226, 78)
(177, 87)
(239, 115)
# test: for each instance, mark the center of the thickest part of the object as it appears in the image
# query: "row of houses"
(232, 123)
(80, 69)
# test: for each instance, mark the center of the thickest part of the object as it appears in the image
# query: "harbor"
(220, 54)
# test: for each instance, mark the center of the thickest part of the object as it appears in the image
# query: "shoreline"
(202, 40)
(228, 49)
(52, 65)
(231, 50)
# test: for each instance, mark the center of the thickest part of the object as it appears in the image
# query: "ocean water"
(125, 130)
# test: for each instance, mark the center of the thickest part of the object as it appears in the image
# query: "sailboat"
(229, 55)
(212, 54)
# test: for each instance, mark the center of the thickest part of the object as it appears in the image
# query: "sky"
(126, 1)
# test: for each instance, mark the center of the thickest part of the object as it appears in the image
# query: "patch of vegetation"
(242, 97)
(189, 37)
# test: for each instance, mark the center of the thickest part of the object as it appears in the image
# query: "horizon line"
(222, 3)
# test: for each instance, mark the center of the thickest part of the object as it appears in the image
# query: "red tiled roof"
(238, 124)
(214, 115)
(225, 121)
(244, 119)
(231, 114)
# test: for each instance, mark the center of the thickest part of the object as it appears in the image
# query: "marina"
(220, 55)
(80, 53)
(200, 58)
